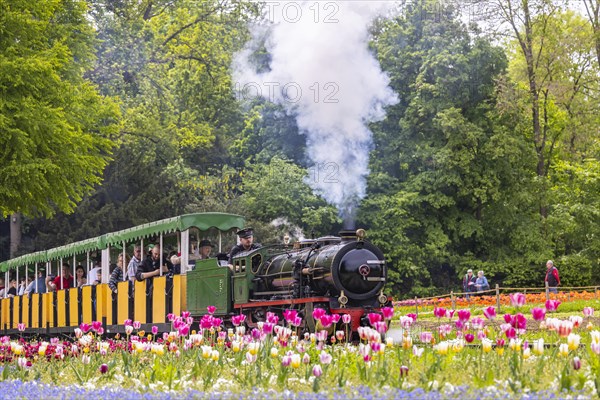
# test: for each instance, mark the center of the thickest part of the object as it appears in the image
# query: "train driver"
(205, 249)
(246, 243)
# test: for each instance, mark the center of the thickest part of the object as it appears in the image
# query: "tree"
(437, 164)
(56, 127)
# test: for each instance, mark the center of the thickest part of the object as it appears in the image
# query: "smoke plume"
(323, 73)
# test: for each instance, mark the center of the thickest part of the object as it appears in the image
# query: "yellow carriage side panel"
(139, 305)
(159, 287)
(179, 302)
(86, 304)
(25, 318)
(15, 311)
(61, 307)
(47, 310)
(101, 301)
(5, 313)
(107, 297)
(35, 310)
(122, 302)
(73, 307)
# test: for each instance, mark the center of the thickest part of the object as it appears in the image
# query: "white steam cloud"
(322, 71)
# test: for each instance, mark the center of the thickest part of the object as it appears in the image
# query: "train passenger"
(80, 278)
(117, 274)
(23, 285)
(246, 243)
(64, 281)
(175, 259)
(151, 267)
(135, 261)
(97, 272)
(38, 285)
(12, 287)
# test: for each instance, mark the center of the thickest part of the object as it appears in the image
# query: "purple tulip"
(103, 368)
(576, 363)
(403, 371)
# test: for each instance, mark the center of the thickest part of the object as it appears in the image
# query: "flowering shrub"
(497, 352)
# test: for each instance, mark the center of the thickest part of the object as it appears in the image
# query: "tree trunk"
(15, 234)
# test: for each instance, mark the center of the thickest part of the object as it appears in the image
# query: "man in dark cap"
(205, 249)
(246, 243)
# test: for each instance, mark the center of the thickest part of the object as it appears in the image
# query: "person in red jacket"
(552, 276)
(64, 281)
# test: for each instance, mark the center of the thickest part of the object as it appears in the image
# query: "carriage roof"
(203, 221)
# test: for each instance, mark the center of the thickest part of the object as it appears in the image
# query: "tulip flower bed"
(451, 354)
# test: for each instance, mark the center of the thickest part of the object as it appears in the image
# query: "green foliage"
(56, 127)
(279, 189)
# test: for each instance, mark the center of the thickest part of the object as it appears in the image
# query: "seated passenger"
(176, 262)
(12, 288)
(117, 275)
(80, 278)
(64, 281)
(135, 261)
(38, 285)
(151, 267)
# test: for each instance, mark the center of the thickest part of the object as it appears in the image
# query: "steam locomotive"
(343, 274)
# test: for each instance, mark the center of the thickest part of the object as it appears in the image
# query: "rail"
(497, 292)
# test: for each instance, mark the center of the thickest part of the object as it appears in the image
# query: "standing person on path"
(552, 277)
(469, 283)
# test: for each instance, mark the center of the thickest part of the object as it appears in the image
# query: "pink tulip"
(576, 363)
(517, 299)
(538, 313)
(439, 312)
(552, 305)
(170, 317)
(426, 337)
(336, 318)
(21, 327)
(373, 318)
(588, 312)
(318, 313)
(289, 315)
(137, 324)
(85, 327)
(511, 333)
(388, 312)
(154, 329)
(185, 314)
(317, 371)
(477, 323)
(239, 319)
(211, 309)
(346, 318)
(489, 312)
(464, 315)
(412, 316)
(469, 337)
